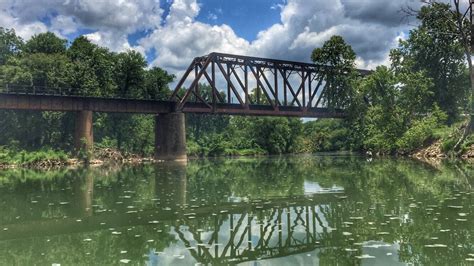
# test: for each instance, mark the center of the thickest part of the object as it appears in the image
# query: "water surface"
(299, 210)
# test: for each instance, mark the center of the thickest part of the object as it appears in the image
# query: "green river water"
(296, 210)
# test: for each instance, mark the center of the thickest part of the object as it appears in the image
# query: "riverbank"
(51, 159)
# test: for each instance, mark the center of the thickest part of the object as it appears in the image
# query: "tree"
(92, 72)
(340, 61)
(47, 43)
(467, 41)
(130, 73)
(10, 44)
(156, 84)
(440, 55)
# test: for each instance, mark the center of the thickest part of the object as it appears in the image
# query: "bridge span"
(240, 85)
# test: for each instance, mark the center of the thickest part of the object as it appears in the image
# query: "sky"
(170, 33)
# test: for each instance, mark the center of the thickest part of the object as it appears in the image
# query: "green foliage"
(338, 92)
(10, 44)
(87, 69)
(392, 110)
(238, 135)
(130, 73)
(394, 115)
(46, 43)
(93, 69)
(30, 158)
(421, 131)
(326, 135)
(156, 84)
(432, 48)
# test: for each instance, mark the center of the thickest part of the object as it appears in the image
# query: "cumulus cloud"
(372, 27)
(111, 19)
(182, 38)
(306, 25)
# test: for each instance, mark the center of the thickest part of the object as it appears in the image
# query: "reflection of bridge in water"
(286, 231)
(230, 232)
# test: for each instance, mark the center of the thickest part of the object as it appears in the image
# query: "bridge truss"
(236, 85)
(254, 86)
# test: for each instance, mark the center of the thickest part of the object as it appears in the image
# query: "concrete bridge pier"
(83, 133)
(170, 137)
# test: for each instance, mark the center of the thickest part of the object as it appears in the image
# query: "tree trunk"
(469, 50)
(470, 125)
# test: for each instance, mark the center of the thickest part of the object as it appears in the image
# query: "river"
(295, 210)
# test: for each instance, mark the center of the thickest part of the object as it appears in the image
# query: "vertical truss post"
(213, 79)
(229, 98)
(310, 99)
(275, 76)
(246, 81)
(258, 85)
(196, 72)
(303, 85)
(285, 95)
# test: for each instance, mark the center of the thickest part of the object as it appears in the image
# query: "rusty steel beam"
(78, 103)
(279, 101)
(264, 110)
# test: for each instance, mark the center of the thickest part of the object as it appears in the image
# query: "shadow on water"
(277, 211)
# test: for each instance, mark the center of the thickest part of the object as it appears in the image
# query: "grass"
(13, 157)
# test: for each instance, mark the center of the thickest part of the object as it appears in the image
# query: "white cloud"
(182, 38)
(63, 25)
(372, 27)
(112, 20)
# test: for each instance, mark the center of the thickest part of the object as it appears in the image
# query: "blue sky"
(172, 32)
(247, 17)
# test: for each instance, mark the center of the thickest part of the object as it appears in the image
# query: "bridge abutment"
(83, 133)
(170, 137)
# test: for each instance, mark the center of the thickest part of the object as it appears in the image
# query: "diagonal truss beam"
(230, 84)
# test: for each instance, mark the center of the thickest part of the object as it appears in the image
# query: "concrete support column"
(83, 135)
(170, 137)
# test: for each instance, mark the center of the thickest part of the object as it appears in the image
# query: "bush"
(421, 131)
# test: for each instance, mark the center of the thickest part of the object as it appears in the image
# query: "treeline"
(420, 97)
(87, 69)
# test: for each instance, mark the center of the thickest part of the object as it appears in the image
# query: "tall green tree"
(340, 59)
(93, 68)
(433, 49)
(130, 73)
(10, 44)
(47, 43)
(156, 84)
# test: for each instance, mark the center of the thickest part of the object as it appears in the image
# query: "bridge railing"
(58, 91)
(38, 90)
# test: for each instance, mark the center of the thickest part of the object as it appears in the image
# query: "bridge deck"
(63, 103)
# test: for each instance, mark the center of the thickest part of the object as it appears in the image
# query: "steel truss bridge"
(239, 85)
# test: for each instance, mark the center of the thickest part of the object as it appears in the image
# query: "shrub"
(421, 131)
